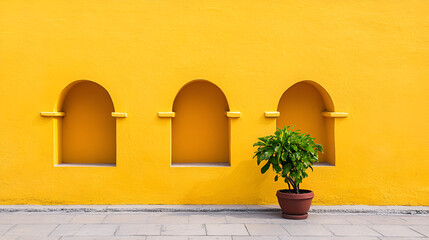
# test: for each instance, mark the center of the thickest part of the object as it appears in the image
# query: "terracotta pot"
(295, 206)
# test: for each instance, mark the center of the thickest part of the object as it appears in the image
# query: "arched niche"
(301, 106)
(87, 132)
(200, 128)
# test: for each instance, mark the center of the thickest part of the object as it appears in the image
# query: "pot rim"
(308, 195)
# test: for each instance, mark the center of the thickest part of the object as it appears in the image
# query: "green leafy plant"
(290, 153)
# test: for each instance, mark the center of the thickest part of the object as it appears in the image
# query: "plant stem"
(292, 182)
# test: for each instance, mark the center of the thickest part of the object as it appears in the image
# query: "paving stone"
(421, 229)
(97, 230)
(305, 238)
(31, 230)
(139, 229)
(326, 238)
(39, 238)
(395, 231)
(167, 238)
(226, 229)
(356, 220)
(255, 238)
(34, 218)
(66, 230)
(9, 237)
(207, 218)
(307, 230)
(356, 238)
(4, 228)
(127, 218)
(265, 229)
(352, 230)
(210, 238)
(88, 218)
(416, 220)
(166, 218)
(379, 219)
(285, 221)
(401, 238)
(245, 218)
(183, 229)
(326, 219)
(276, 217)
(105, 238)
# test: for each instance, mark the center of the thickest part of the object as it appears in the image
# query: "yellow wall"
(372, 58)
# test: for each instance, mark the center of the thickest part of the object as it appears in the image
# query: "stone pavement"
(205, 225)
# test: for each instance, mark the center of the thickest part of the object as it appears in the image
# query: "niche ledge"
(323, 164)
(86, 165)
(221, 164)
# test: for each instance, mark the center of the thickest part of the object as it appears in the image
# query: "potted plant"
(289, 153)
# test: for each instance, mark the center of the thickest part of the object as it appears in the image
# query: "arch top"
(329, 104)
(59, 104)
(198, 81)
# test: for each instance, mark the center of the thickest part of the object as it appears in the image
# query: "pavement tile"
(226, 229)
(66, 230)
(207, 218)
(127, 218)
(384, 219)
(276, 217)
(4, 228)
(183, 229)
(34, 218)
(97, 230)
(167, 238)
(304, 238)
(31, 230)
(421, 229)
(139, 229)
(356, 238)
(307, 230)
(39, 238)
(285, 221)
(416, 220)
(326, 238)
(326, 219)
(352, 230)
(395, 231)
(265, 229)
(401, 238)
(255, 238)
(88, 218)
(166, 218)
(356, 220)
(8, 237)
(245, 218)
(105, 238)
(210, 238)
